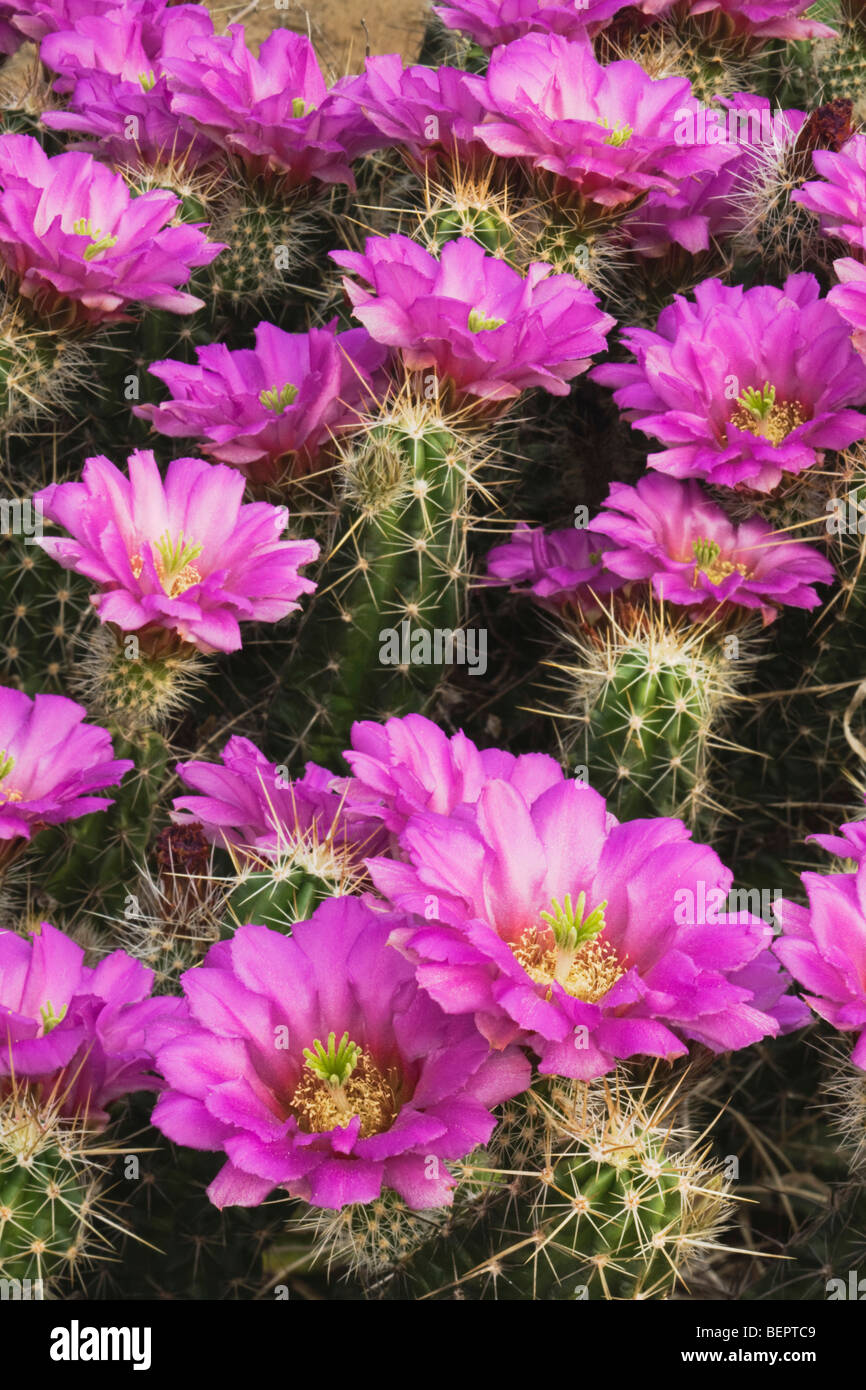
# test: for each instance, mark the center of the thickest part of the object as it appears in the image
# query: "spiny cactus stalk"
(432, 526)
(393, 585)
(649, 700)
(46, 608)
(138, 683)
(50, 1180)
(607, 1200)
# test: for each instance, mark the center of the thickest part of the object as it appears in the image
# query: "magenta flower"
(780, 19)
(186, 555)
(250, 804)
(315, 1064)
(742, 386)
(72, 235)
(112, 66)
(83, 1037)
(607, 134)
(37, 18)
(588, 940)
(770, 985)
(850, 843)
(492, 22)
(824, 947)
(411, 765)
(671, 534)
(557, 567)
(432, 113)
(275, 407)
(273, 111)
(478, 323)
(11, 38)
(705, 207)
(839, 197)
(848, 298)
(51, 763)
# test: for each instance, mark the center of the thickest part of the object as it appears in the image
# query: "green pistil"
(620, 135)
(333, 1064)
(49, 1018)
(759, 403)
(98, 243)
(706, 553)
(279, 398)
(147, 80)
(571, 930)
(479, 324)
(7, 762)
(300, 107)
(567, 922)
(175, 556)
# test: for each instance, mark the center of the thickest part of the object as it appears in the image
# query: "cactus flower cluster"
(432, 677)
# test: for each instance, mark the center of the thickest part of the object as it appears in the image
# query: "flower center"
(301, 108)
(49, 1018)
(758, 412)
(479, 323)
(339, 1082)
(707, 562)
(565, 948)
(7, 763)
(147, 80)
(98, 243)
(279, 398)
(172, 560)
(620, 135)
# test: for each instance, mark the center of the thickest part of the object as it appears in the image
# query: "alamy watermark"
(422, 646)
(707, 905)
(711, 126)
(21, 516)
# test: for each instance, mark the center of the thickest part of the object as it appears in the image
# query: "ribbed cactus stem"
(612, 1203)
(48, 1186)
(649, 701)
(392, 582)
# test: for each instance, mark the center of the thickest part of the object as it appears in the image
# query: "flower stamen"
(50, 1019)
(479, 323)
(7, 763)
(707, 561)
(758, 411)
(619, 135)
(565, 949)
(173, 563)
(339, 1082)
(83, 226)
(279, 398)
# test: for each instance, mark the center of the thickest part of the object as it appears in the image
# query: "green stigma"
(98, 243)
(333, 1064)
(7, 762)
(175, 556)
(569, 927)
(706, 553)
(300, 107)
(279, 398)
(620, 135)
(759, 403)
(147, 80)
(479, 324)
(49, 1018)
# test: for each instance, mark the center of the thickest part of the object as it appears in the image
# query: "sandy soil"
(337, 26)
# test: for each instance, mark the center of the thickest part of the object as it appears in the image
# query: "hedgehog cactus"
(431, 584)
(49, 1185)
(610, 1201)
